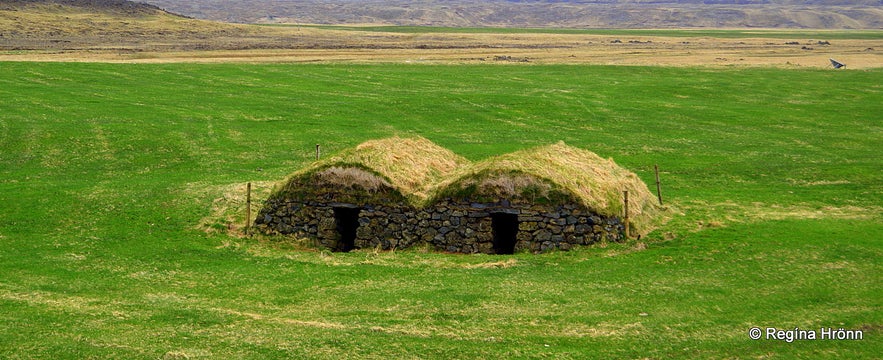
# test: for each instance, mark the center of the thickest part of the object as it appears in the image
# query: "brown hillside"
(67, 24)
(119, 7)
(127, 27)
(597, 14)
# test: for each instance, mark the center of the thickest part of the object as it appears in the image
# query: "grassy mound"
(556, 174)
(400, 167)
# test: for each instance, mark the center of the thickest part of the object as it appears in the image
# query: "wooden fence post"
(626, 195)
(318, 152)
(247, 207)
(658, 189)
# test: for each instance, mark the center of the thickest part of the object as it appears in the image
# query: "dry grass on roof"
(423, 172)
(410, 165)
(556, 173)
(413, 164)
(351, 178)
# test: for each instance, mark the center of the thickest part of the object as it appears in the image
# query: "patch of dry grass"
(413, 258)
(725, 214)
(494, 265)
(707, 216)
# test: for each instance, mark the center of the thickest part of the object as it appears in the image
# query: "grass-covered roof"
(419, 171)
(404, 166)
(555, 174)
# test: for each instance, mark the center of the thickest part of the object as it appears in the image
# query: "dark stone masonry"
(504, 227)
(449, 225)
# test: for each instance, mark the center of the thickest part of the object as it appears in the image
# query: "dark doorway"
(505, 228)
(347, 220)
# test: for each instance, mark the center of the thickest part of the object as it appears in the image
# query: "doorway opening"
(505, 227)
(347, 220)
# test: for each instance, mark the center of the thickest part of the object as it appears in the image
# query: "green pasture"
(108, 172)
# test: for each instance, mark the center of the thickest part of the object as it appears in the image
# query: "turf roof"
(555, 174)
(407, 166)
(421, 172)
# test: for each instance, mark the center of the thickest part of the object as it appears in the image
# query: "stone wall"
(388, 226)
(449, 225)
(460, 226)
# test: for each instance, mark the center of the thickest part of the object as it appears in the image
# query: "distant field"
(32, 32)
(715, 33)
(118, 183)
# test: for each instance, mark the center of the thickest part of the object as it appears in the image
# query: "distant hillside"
(816, 14)
(101, 24)
(127, 28)
(115, 5)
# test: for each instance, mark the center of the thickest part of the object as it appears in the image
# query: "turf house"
(550, 197)
(364, 197)
(400, 192)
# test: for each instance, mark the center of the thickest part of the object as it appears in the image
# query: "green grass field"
(775, 178)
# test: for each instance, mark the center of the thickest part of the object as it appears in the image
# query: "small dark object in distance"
(836, 64)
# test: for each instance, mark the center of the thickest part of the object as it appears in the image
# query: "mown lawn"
(107, 171)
